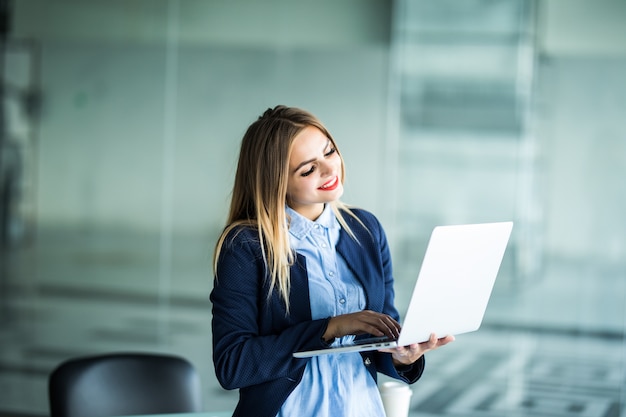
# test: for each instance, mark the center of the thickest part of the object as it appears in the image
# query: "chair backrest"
(119, 384)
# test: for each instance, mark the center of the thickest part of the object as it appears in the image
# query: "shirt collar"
(300, 226)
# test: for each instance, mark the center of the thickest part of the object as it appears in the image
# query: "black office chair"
(121, 384)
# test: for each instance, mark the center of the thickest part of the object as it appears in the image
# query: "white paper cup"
(396, 398)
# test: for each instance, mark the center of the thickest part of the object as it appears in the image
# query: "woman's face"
(314, 173)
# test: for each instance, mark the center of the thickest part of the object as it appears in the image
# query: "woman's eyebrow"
(303, 163)
(308, 161)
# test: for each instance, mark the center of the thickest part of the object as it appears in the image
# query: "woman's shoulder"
(239, 235)
(365, 216)
(363, 221)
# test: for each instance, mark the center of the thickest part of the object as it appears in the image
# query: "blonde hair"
(260, 191)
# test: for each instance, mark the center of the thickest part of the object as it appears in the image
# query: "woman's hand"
(406, 355)
(362, 322)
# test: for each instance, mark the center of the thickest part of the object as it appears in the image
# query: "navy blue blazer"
(254, 337)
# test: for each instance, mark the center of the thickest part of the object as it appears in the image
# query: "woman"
(296, 269)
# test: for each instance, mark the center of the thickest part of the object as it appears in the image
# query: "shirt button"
(323, 245)
(331, 274)
(342, 300)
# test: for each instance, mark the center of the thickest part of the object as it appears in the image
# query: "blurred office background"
(120, 128)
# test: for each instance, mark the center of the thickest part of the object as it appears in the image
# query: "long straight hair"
(259, 194)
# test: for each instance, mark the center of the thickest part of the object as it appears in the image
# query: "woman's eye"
(332, 151)
(309, 172)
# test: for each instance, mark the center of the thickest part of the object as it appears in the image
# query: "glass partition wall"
(99, 267)
(143, 106)
(126, 119)
(477, 113)
(116, 255)
(462, 147)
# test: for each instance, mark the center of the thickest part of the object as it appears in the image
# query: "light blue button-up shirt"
(335, 385)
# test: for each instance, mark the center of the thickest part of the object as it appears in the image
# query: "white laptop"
(452, 290)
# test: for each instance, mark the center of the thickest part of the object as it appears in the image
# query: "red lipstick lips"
(330, 185)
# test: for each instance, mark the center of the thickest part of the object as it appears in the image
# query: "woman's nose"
(326, 169)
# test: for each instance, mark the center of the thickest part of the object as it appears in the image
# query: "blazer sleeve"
(253, 337)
